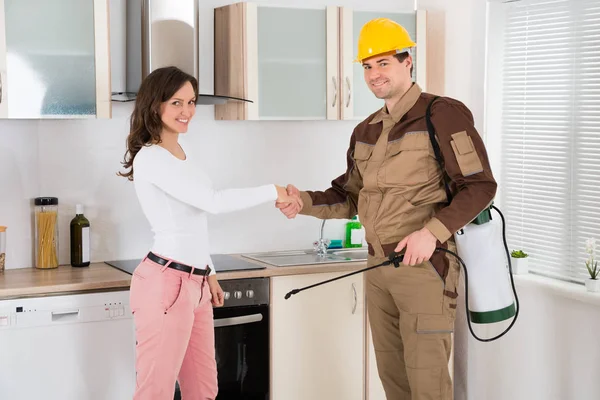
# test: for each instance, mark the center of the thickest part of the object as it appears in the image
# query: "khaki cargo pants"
(411, 313)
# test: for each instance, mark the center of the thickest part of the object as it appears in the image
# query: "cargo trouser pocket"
(431, 267)
(431, 324)
(427, 366)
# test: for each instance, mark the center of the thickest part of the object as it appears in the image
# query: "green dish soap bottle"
(354, 233)
(80, 239)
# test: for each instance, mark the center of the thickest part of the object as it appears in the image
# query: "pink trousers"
(175, 334)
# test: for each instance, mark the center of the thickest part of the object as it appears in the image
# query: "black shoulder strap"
(436, 148)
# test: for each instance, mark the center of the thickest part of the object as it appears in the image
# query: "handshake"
(288, 201)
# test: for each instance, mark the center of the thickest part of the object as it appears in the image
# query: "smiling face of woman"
(177, 112)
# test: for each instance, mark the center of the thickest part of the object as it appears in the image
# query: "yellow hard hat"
(382, 35)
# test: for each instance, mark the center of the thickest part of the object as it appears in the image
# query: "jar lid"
(46, 201)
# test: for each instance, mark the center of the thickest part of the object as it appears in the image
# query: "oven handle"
(245, 319)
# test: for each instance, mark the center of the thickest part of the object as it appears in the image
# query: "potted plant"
(519, 262)
(592, 284)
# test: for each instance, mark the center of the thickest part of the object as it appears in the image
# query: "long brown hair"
(145, 123)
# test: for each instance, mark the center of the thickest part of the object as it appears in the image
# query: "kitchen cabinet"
(283, 59)
(318, 338)
(374, 386)
(298, 64)
(54, 59)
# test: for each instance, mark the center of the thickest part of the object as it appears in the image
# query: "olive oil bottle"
(80, 239)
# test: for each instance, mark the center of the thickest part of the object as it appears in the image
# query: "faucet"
(321, 245)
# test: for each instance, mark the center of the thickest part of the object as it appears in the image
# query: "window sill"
(569, 290)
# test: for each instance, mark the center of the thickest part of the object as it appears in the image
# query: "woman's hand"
(217, 298)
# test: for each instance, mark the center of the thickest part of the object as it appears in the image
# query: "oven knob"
(226, 295)
(237, 294)
(249, 294)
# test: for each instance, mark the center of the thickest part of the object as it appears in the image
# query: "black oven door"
(242, 352)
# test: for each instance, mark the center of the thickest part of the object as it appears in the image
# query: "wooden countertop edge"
(55, 290)
(122, 280)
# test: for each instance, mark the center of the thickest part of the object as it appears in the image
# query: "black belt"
(178, 266)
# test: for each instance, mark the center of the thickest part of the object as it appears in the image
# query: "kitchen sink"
(307, 257)
(354, 254)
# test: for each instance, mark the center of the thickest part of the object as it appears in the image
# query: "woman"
(173, 287)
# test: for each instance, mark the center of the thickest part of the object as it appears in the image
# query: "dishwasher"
(70, 347)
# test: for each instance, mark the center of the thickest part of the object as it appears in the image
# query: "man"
(394, 182)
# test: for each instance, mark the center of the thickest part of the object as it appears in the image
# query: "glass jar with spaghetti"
(46, 232)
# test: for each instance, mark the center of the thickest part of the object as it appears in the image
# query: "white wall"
(19, 181)
(552, 352)
(456, 51)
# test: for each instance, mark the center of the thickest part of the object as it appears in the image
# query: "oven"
(242, 340)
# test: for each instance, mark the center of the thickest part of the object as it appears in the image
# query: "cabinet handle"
(355, 299)
(335, 91)
(349, 92)
(0, 87)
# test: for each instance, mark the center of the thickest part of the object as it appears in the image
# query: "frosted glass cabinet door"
(51, 57)
(356, 94)
(292, 63)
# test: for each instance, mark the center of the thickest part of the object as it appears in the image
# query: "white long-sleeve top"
(176, 196)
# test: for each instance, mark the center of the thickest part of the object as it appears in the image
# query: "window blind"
(550, 132)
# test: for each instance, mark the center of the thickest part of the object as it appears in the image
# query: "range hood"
(150, 34)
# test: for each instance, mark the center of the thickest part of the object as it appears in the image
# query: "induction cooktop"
(222, 263)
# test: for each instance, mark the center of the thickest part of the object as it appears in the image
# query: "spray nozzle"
(395, 258)
(290, 294)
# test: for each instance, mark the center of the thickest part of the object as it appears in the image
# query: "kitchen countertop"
(28, 282)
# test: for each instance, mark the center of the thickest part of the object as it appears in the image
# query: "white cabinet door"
(318, 338)
(292, 63)
(55, 62)
(374, 387)
(357, 101)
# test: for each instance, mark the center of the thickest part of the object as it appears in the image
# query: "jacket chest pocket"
(362, 154)
(408, 160)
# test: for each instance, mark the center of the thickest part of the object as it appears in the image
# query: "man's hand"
(217, 297)
(420, 245)
(290, 210)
